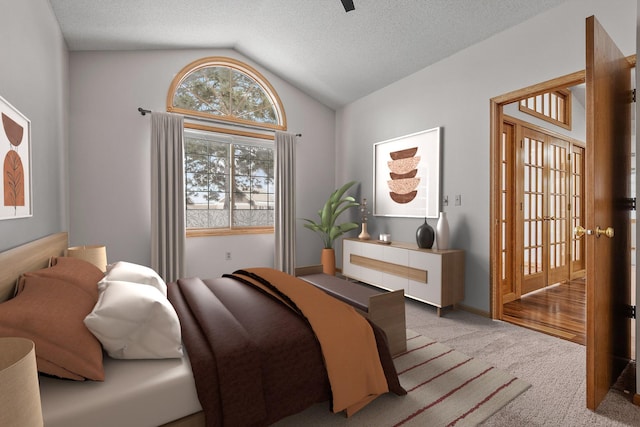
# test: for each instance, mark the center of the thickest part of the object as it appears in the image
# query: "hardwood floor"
(557, 310)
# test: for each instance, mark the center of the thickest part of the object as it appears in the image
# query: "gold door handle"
(604, 231)
(580, 231)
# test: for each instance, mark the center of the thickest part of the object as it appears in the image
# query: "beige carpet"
(555, 368)
(445, 388)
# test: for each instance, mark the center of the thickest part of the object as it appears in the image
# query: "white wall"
(110, 165)
(455, 94)
(34, 79)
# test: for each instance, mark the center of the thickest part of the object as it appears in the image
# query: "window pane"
(197, 219)
(550, 106)
(196, 163)
(250, 100)
(196, 182)
(219, 219)
(218, 200)
(198, 200)
(219, 184)
(252, 218)
(210, 180)
(261, 184)
(204, 91)
(197, 146)
(222, 91)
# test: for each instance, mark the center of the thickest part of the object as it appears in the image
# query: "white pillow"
(134, 321)
(129, 272)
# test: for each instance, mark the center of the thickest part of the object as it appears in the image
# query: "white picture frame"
(407, 175)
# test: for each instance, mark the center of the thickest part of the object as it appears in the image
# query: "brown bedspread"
(254, 359)
(346, 338)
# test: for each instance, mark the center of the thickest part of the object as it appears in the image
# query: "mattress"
(135, 393)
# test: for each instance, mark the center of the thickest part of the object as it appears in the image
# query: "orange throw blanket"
(346, 338)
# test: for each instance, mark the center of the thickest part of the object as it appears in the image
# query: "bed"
(169, 391)
(137, 392)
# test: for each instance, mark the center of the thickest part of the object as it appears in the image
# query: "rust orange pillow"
(50, 309)
(74, 271)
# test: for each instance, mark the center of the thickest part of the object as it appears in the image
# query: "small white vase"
(442, 232)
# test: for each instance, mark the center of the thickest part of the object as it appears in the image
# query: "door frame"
(495, 134)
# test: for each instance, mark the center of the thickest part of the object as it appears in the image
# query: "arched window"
(229, 181)
(228, 90)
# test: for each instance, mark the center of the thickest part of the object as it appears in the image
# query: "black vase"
(425, 236)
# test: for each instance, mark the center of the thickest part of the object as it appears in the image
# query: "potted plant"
(327, 228)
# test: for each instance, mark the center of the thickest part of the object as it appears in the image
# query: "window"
(226, 90)
(229, 171)
(553, 107)
(228, 183)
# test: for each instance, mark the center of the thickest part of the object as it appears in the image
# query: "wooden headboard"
(28, 257)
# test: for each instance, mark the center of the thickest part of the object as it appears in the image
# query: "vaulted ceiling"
(333, 55)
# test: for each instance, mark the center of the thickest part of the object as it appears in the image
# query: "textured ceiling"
(334, 56)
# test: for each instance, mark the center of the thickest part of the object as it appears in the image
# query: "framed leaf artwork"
(407, 175)
(15, 154)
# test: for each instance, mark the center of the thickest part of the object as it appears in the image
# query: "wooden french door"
(607, 220)
(544, 214)
(542, 181)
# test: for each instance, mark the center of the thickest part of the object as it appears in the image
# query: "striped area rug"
(445, 388)
(449, 388)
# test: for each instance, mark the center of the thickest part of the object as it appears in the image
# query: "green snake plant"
(327, 228)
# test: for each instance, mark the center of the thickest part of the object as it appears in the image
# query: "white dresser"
(428, 275)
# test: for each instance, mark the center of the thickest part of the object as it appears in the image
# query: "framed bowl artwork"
(407, 175)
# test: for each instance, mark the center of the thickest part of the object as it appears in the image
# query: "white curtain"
(285, 212)
(167, 196)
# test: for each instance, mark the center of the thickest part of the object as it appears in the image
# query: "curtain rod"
(144, 112)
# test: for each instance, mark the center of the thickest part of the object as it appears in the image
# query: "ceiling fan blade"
(348, 5)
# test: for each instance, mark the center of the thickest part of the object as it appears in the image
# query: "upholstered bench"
(385, 309)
